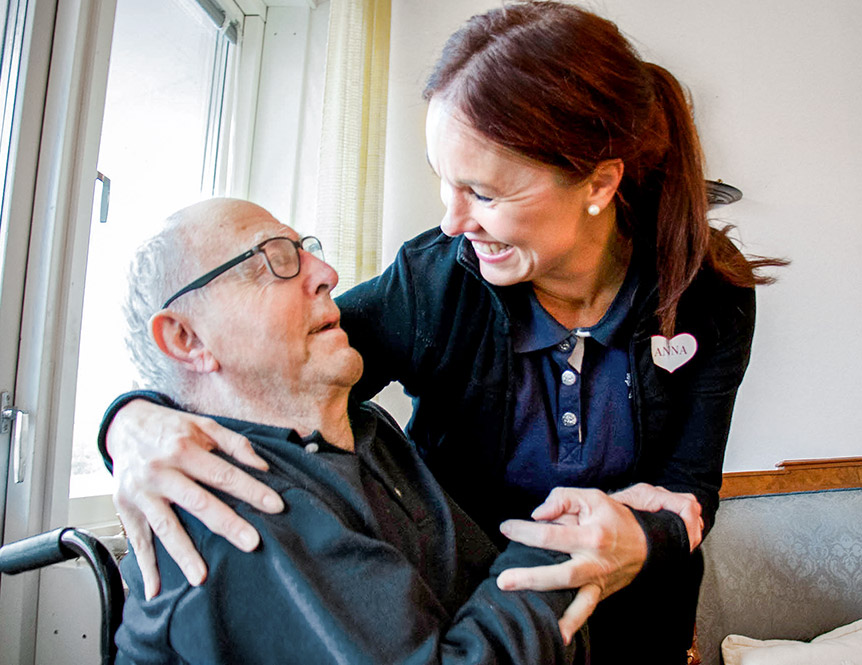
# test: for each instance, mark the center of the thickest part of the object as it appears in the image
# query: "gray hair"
(159, 268)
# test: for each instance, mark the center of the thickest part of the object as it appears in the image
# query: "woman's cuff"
(116, 405)
(667, 539)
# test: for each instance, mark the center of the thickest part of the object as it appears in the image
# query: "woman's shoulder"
(718, 303)
(431, 245)
(445, 266)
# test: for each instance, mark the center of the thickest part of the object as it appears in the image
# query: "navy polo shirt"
(573, 423)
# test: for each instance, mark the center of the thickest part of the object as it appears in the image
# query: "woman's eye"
(480, 198)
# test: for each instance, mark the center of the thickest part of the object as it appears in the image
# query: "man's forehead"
(271, 231)
(251, 222)
(249, 226)
(221, 228)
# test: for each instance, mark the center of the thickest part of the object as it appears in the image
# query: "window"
(12, 15)
(160, 142)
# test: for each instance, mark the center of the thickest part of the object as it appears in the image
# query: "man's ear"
(174, 335)
(605, 181)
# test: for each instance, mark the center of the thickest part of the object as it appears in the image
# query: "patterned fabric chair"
(781, 566)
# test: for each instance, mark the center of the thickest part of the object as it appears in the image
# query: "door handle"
(19, 421)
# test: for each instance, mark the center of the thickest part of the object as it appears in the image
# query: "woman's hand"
(160, 455)
(607, 546)
(606, 543)
(652, 499)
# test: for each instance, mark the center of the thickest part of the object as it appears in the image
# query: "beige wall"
(777, 88)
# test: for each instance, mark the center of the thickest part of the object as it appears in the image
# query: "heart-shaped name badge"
(671, 354)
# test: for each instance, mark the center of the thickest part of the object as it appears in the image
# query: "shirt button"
(569, 378)
(570, 419)
(312, 448)
(564, 346)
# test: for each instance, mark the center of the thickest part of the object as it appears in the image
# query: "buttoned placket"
(570, 391)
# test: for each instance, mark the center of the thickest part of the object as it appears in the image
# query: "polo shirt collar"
(533, 328)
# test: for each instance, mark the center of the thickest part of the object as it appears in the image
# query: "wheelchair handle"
(65, 543)
(34, 552)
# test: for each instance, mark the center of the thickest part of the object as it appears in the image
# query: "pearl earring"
(593, 210)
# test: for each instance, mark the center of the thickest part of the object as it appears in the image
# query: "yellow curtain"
(350, 180)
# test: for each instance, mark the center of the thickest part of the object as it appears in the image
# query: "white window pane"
(153, 149)
(11, 33)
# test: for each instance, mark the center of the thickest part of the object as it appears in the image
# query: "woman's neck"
(580, 298)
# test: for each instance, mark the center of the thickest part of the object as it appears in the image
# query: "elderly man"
(369, 562)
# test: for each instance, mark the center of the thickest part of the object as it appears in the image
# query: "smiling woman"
(524, 219)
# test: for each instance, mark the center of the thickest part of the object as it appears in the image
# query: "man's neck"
(325, 412)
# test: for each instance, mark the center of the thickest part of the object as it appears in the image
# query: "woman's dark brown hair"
(563, 87)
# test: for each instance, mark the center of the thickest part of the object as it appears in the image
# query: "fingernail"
(273, 503)
(506, 528)
(248, 539)
(197, 574)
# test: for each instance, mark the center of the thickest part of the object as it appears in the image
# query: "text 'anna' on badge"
(671, 354)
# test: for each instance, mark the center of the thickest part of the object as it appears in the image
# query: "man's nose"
(319, 276)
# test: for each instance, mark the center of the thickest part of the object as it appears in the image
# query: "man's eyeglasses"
(281, 256)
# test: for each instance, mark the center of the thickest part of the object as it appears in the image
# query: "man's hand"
(652, 499)
(160, 455)
(607, 546)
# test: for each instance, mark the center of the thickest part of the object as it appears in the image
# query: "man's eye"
(480, 198)
(283, 263)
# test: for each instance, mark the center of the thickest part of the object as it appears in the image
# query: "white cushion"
(842, 646)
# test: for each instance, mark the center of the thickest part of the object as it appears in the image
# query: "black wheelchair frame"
(66, 543)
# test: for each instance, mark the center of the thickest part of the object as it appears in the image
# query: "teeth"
(490, 247)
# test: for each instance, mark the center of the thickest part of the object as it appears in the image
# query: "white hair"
(159, 268)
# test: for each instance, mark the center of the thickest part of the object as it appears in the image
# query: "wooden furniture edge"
(804, 475)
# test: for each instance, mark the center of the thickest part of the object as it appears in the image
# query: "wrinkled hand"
(159, 456)
(607, 546)
(652, 499)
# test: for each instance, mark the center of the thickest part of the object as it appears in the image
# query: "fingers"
(167, 528)
(691, 516)
(174, 487)
(607, 545)
(579, 611)
(186, 446)
(216, 472)
(160, 455)
(560, 537)
(141, 538)
(151, 510)
(567, 575)
(235, 445)
(650, 498)
(563, 500)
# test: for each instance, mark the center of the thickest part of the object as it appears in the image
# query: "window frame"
(66, 56)
(223, 166)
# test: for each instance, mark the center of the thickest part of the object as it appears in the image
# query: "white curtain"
(350, 186)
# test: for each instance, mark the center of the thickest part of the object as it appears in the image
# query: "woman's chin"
(500, 275)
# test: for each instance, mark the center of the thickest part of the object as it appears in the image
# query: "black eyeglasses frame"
(302, 243)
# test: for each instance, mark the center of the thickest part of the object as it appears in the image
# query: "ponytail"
(682, 231)
(684, 238)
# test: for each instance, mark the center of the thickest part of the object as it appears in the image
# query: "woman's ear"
(174, 335)
(604, 182)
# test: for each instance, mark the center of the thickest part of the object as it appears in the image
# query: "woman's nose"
(457, 219)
